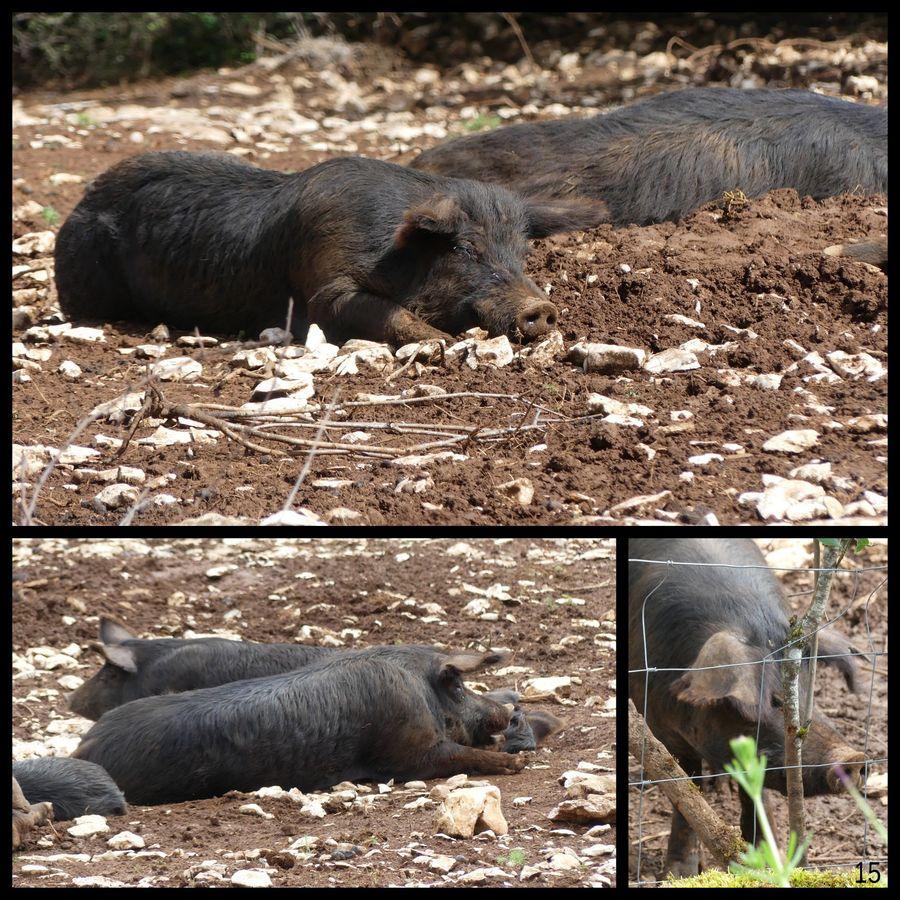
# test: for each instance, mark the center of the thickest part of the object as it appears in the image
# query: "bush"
(86, 49)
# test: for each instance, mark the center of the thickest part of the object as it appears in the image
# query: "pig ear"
(834, 644)
(438, 216)
(121, 657)
(111, 632)
(543, 724)
(471, 660)
(735, 684)
(545, 217)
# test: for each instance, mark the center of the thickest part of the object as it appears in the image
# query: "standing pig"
(357, 715)
(75, 787)
(366, 249)
(662, 157)
(697, 618)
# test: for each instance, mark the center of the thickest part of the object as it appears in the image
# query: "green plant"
(83, 118)
(482, 122)
(864, 807)
(763, 862)
(513, 858)
(50, 215)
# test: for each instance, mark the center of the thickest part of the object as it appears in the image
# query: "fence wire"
(872, 655)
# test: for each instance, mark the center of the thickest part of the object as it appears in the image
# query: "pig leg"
(366, 316)
(448, 758)
(683, 853)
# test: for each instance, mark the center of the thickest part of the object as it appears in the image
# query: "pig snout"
(536, 317)
(851, 763)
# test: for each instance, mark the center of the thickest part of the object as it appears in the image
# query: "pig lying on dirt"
(662, 157)
(356, 716)
(137, 667)
(26, 816)
(697, 619)
(75, 787)
(366, 249)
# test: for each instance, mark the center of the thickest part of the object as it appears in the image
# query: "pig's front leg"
(362, 315)
(448, 758)
(683, 853)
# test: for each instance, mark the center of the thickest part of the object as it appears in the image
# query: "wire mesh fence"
(657, 686)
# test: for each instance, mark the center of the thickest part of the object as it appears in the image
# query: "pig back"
(686, 604)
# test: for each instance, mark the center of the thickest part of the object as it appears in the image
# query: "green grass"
(482, 122)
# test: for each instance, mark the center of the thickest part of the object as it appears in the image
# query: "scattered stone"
(856, 365)
(556, 687)
(36, 243)
(607, 359)
(115, 496)
(672, 360)
(580, 784)
(298, 389)
(792, 441)
(253, 878)
(178, 368)
(468, 810)
(817, 472)
(69, 369)
(254, 809)
(293, 517)
(684, 320)
(520, 489)
(85, 826)
(594, 808)
(126, 840)
(564, 862)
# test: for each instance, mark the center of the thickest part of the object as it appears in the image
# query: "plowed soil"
(559, 620)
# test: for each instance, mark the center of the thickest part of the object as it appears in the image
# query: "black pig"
(526, 730)
(137, 667)
(662, 157)
(366, 249)
(359, 715)
(697, 618)
(75, 787)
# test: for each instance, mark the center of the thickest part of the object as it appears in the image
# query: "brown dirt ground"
(159, 588)
(835, 822)
(759, 269)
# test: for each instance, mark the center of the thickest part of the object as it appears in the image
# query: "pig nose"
(536, 317)
(851, 761)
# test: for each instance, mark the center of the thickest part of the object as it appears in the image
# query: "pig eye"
(777, 702)
(465, 250)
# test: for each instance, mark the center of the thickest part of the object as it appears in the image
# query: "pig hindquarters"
(356, 716)
(697, 620)
(75, 787)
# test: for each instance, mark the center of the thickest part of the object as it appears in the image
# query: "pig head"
(729, 692)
